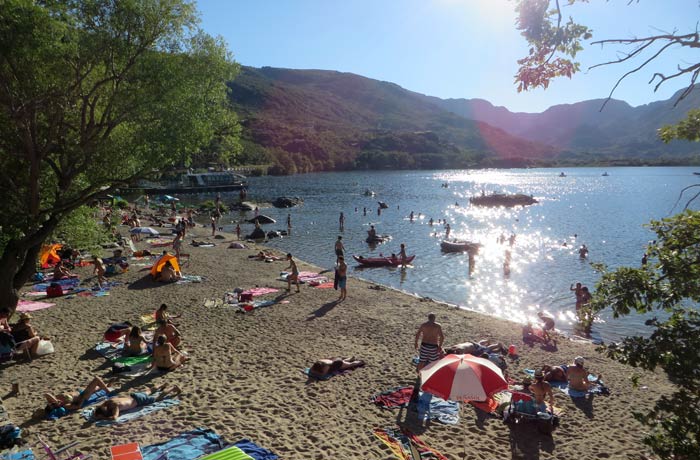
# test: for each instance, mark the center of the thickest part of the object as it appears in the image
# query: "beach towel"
(188, 445)
(434, 408)
(90, 293)
(26, 454)
(190, 279)
(258, 291)
(305, 277)
(391, 399)
(67, 283)
(326, 285)
(407, 446)
(242, 450)
(493, 404)
(26, 306)
(89, 413)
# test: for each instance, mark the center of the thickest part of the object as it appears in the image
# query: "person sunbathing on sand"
(324, 367)
(165, 356)
(60, 271)
(111, 408)
(135, 343)
(163, 315)
(59, 404)
(578, 376)
(168, 274)
(169, 331)
(476, 349)
(554, 373)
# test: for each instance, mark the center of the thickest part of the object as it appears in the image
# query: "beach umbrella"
(462, 378)
(144, 231)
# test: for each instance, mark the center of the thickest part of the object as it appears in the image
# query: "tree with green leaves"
(93, 95)
(668, 284)
(555, 41)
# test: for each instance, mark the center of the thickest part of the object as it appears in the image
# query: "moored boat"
(382, 261)
(459, 246)
(193, 182)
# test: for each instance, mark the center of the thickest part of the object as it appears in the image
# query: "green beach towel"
(232, 453)
(133, 360)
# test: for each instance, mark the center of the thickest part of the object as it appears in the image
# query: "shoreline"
(245, 379)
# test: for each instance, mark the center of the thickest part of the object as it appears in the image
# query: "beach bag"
(45, 347)
(10, 436)
(111, 270)
(39, 277)
(54, 290)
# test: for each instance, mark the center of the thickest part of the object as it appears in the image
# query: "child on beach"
(99, 270)
(294, 276)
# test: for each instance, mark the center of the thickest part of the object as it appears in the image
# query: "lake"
(606, 213)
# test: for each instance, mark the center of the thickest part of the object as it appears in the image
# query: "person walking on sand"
(238, 231)
(342, 278)
(430, 338)
(294, 275)
(339, 249)
(213, 225)
(341, 221)
(99, 270)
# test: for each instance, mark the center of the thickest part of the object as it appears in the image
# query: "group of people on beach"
(429, 341)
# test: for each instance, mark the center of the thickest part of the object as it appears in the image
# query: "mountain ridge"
(311, 120)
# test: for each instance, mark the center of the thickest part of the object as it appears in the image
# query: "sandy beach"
(245, 380)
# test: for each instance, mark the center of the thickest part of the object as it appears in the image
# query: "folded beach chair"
(62, 453)
(130, 451)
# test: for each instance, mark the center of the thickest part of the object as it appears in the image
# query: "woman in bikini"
(165, 356)
(135, 343)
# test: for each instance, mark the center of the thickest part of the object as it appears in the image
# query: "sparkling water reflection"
(605, 213)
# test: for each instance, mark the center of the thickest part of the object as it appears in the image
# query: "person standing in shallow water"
(339, 249)
(341, 221)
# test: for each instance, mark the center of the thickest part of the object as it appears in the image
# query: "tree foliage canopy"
(94, 94)
(668, 285)
(554, 43)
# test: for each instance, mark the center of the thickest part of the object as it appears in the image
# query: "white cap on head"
(578, 360)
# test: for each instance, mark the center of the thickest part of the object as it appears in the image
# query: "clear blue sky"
(446, 48)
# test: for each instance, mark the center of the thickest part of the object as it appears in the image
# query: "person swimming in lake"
(372, 233)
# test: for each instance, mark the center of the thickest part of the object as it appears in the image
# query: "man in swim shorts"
(430, 337)
(111, 408)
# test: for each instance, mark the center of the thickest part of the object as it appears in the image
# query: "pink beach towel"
(26, 305)
(259, 291)
(327, 285)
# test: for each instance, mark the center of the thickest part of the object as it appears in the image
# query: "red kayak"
(382, 261)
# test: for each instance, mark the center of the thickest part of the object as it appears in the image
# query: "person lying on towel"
(59, 405)
(325, 367)
(111, 408)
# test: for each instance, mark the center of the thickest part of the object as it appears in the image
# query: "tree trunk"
(18, 263)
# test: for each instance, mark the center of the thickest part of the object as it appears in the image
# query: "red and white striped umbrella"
(462, 378)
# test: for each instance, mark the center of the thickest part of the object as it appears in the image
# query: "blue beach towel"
(434, 408)
(89, 413)
(60, 412)
(20, 455)
(188, 445)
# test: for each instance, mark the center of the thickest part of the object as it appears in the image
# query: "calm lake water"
(607, 213)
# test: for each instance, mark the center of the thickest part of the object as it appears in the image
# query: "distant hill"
(618, 130)
(310, 120)
(313, 120)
